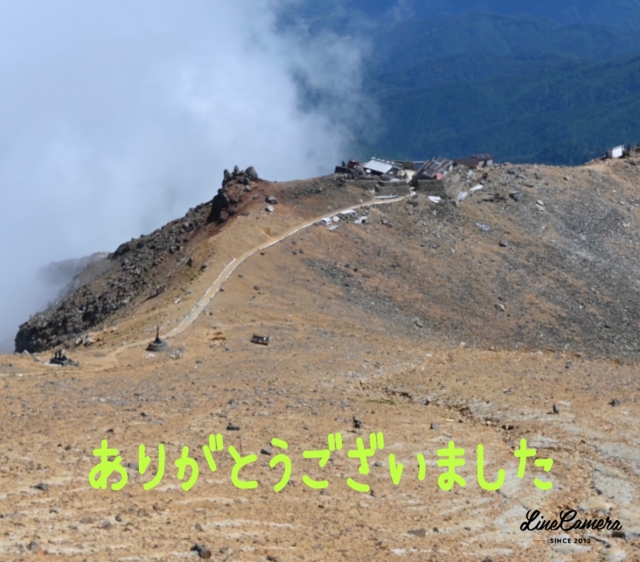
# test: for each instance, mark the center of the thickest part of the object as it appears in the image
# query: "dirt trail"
(111, 359)
(235, 262)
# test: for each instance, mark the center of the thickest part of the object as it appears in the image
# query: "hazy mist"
(116, 117)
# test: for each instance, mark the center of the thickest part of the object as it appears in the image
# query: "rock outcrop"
(137, 270)
(235, 192)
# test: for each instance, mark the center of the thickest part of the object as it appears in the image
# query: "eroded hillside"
(506, 317)
(540, 258)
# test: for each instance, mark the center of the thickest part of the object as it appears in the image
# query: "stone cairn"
(158, 344)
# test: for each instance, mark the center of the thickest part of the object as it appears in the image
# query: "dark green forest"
(549, 84)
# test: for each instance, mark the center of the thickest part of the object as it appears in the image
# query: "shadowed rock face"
(225, 203)
(137, 270)
(73, 316)
(236, 191)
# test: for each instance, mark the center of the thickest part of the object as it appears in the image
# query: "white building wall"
(616, 152)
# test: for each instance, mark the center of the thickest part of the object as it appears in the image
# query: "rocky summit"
(491, 308)
(136, 270)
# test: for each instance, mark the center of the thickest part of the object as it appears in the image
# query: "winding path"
(110, 360)
(211, 292)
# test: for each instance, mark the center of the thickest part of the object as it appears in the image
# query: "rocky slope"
(389, 321)
(137, 270)
(539, 258)
(64, 272)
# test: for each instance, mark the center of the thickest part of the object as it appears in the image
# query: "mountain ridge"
(587, 204)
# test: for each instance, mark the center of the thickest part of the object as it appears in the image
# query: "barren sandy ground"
(330, 360)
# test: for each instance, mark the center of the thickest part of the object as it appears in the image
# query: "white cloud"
(117, 117)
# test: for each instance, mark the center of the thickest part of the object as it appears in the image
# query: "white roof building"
(616, 152)
(378, 166)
